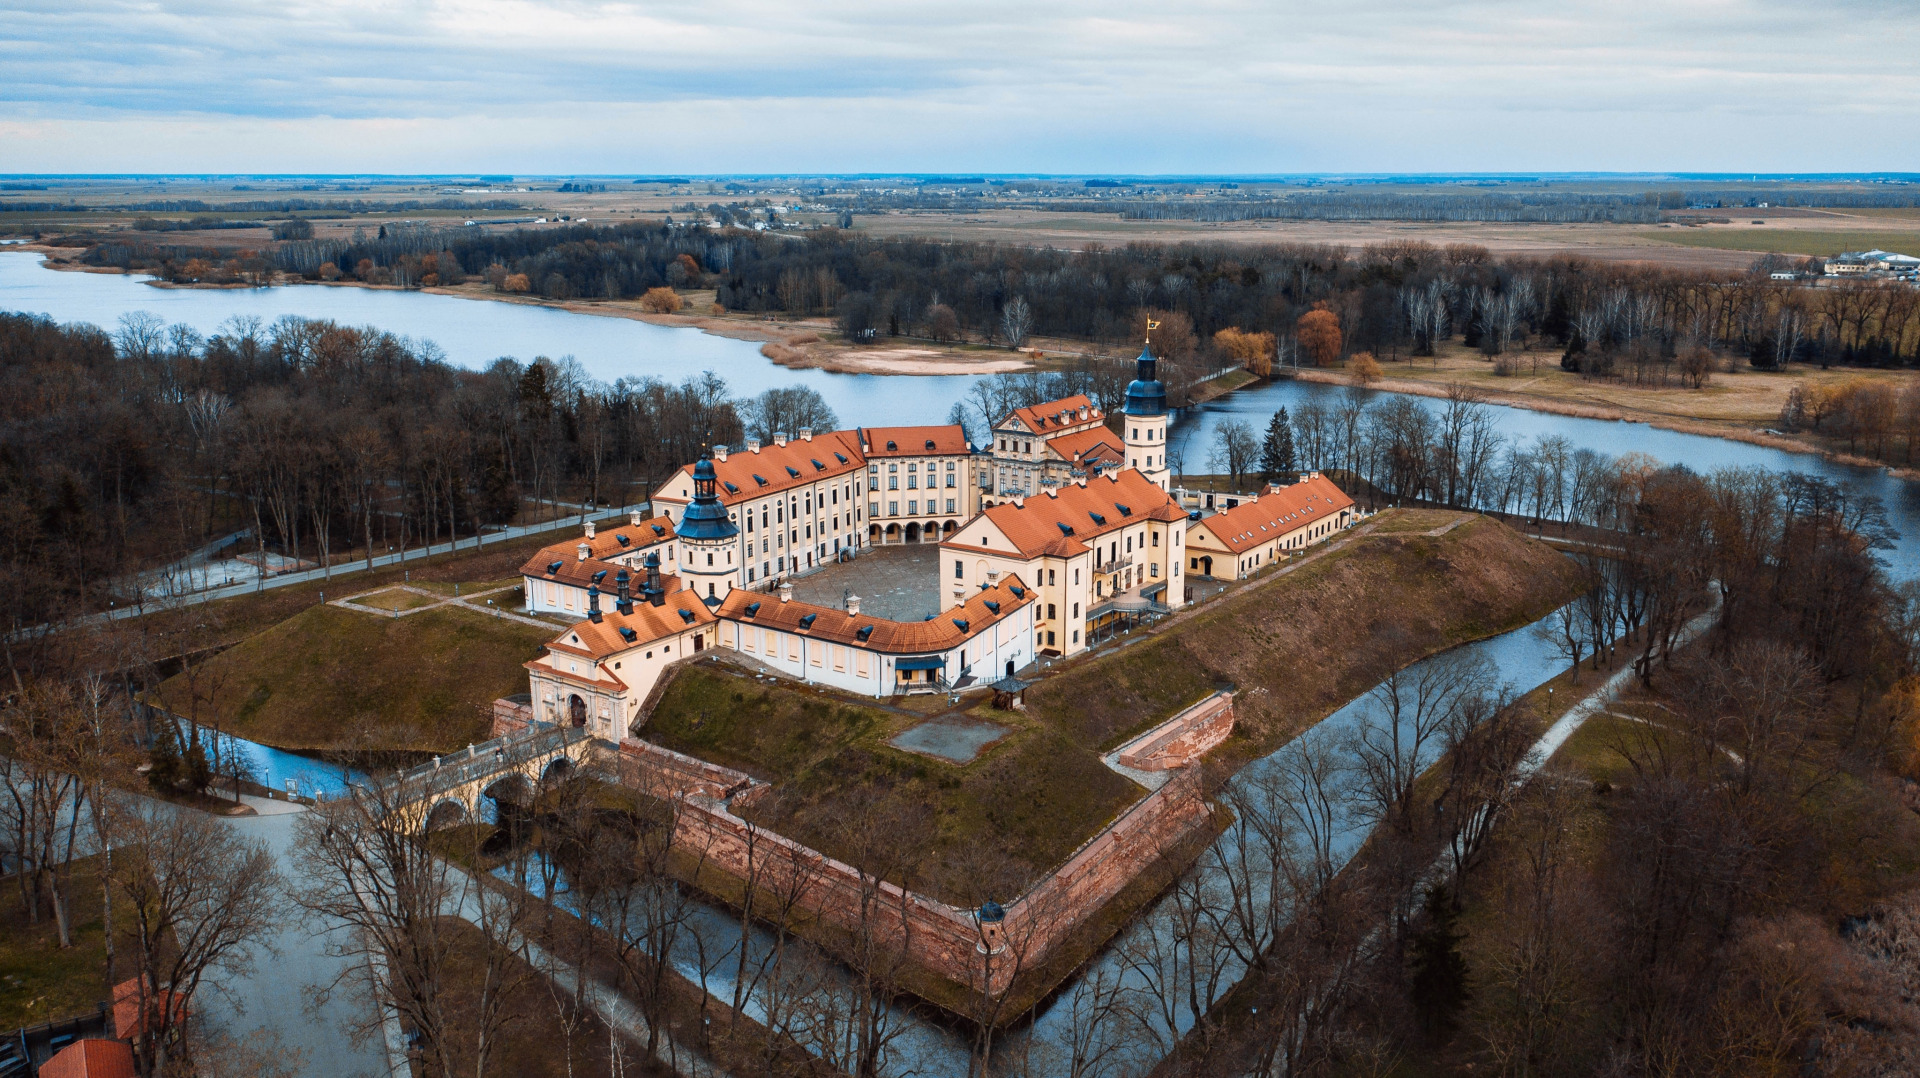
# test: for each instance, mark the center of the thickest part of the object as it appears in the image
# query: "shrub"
(660, 301)
(516, 282)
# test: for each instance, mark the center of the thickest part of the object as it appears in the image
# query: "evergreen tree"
(1276, 452)
(196, 773)
(1439, 984)
(1559, 321)
(1576, 348)
(165, 768)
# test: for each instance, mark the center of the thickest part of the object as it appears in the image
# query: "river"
(472, 333)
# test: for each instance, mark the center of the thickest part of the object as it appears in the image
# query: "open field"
(1795, 241)
(329, 678)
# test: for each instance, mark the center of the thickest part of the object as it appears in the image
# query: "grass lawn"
(39, 982)
(329, 678)
(1030, 799)
(393, 599)
(1299, 645)
(1789, 241)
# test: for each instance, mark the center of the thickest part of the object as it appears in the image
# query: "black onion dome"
(1145, 395)
(706, 518)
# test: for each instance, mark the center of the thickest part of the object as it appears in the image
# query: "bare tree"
(1016, 321)
(200, 899)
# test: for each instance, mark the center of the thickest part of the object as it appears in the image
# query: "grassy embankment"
(1298, 646)
(1790, 241)
(329, 678)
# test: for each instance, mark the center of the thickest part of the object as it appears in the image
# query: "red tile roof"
(779, 467)
(598, 640)
(1273, 515)
(576, 572)
(127, 1020)
(1047, 417)
(91, 1058)
(891, 637)
(605, 543)
(1034, 527)
(946, 440)
(1088, 447)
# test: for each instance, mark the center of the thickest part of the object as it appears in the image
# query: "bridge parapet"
(463, 777)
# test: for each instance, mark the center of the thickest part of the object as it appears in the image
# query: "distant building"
(1872, 263)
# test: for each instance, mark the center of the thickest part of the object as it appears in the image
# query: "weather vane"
(1151, 326)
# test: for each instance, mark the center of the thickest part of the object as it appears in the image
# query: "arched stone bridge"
(447, 790)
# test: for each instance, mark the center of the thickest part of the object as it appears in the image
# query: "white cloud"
(741, 85)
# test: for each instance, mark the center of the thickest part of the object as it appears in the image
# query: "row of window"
(913, 507)
(913, 481)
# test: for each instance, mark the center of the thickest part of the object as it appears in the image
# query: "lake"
(472, 333)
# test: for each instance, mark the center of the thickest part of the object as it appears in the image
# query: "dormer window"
(891, 446)
(841, 457)
(1125, 511)
(1065, 529)
(752, 609)
(993, 606)
(686, 616)
(865, 632)
(554, 566)
(792, 471)
(929, 445)
(658, 530)
(760, 479)
(1097, 518)
(731, 489)
(817, 466)
(1018, 591)
(599, 576)
(807, 621)
(962, 624)
(628, 634)
(622, 539)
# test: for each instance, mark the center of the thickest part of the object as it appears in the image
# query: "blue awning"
(921, 662)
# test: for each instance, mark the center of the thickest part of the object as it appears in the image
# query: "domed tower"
(1145, 419)
(708, 564)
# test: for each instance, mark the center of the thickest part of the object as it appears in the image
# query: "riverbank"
(1743, 405)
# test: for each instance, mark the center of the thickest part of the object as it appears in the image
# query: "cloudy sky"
(1062, 86)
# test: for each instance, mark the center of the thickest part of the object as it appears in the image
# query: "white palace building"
(1057, 529)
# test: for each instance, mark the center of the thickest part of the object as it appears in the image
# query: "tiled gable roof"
(605, 544)
(942, 633)
(948, 440)
(1041, 525)
(1046, 418)
(681, 611)
(747, 475)
(1275, 514)
(1085, 447)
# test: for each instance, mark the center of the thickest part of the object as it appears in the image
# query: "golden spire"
(1151, 326)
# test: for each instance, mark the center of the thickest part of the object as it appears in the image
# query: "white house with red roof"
(1271, 527)
(555, 580)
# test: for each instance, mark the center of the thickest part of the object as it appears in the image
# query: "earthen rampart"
(940, 937)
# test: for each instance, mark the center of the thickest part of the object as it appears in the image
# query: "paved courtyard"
(899, 583)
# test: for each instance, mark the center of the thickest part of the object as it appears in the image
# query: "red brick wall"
(1182, 739)
(510, 718)
(940, 937)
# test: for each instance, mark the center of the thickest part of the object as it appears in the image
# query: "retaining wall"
(1182, 739)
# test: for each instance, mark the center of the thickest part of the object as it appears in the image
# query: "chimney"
(620, 580)
(786, 592)
(583, 550)
(593, 603)
(1083, 411)
(853, 605)
(1019, 500)
(633, 518)
(753, 445)
(993, 577)
(719, 452)
(779, 437)
(589, 529)
(656, 593)
(806, 434)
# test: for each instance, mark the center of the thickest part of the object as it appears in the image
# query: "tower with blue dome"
(709, 538)
(1145, 420)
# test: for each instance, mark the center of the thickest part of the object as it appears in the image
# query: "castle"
(1057, 530)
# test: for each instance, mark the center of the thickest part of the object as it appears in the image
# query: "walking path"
(436, 601)
(307, 576)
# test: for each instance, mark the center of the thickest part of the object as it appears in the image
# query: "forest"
(1392, 300)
